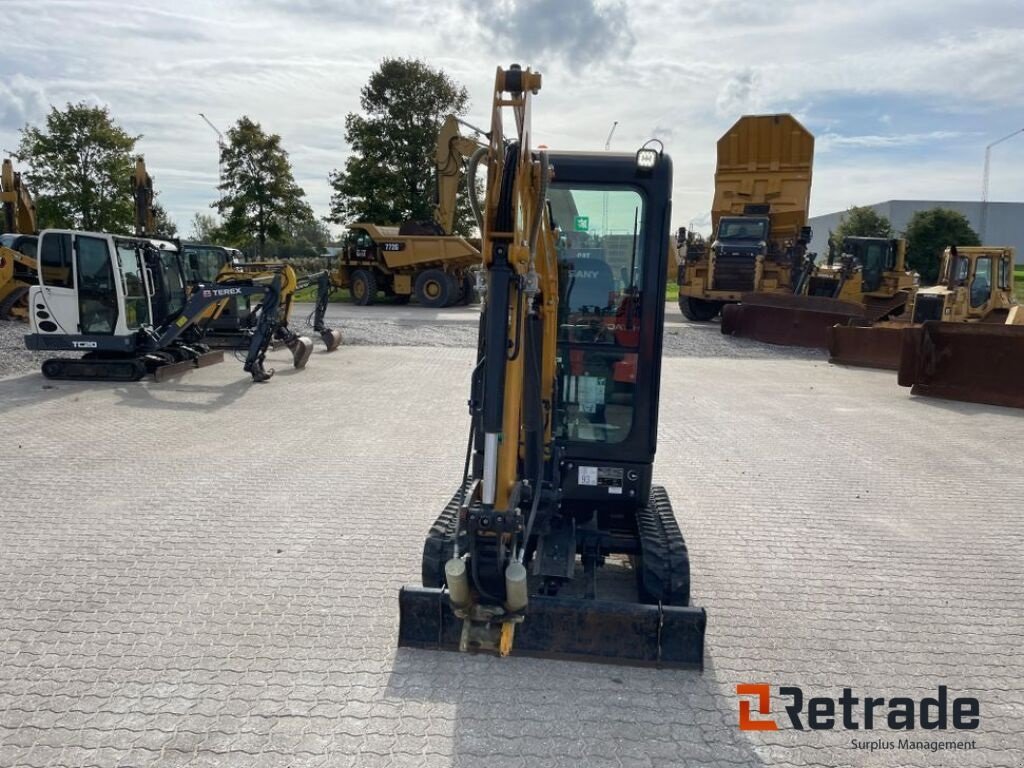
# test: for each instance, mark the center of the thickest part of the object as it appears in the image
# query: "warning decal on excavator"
(590, 393)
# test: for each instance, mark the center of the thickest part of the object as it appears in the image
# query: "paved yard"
(205, 572)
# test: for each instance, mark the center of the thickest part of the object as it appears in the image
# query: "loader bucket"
(974, 362)
(573, 629)
(787, 320)
(870, 346)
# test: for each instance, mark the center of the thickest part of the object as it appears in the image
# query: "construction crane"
(557, 479)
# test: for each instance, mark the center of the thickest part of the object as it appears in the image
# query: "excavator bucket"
(869, 346)
(331, 339)
(787, 320)
(974, 362)
(569, 628)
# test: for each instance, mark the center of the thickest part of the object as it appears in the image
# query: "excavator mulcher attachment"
(974, 362)
(787, 319)
(568, 628)
(869, 346)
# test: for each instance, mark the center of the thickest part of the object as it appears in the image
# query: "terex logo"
(849, 712)
(221, 292)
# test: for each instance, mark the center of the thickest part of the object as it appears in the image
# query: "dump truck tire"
(435, 289)
(663, 568)
(363, 286)
(699, 310)
(469, 295)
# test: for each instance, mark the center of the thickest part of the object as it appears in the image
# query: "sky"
(902, 97)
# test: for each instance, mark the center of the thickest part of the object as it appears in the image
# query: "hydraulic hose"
(474, 201)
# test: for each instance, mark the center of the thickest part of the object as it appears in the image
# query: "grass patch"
(672, 291)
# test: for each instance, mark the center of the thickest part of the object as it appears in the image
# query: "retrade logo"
(849, 712)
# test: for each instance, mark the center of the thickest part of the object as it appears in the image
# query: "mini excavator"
(557, 483)
(126, 304)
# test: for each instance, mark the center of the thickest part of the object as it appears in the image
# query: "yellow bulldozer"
(18, 245)
(758, 217)
(961, 339)
(425, 260)
(868, 281)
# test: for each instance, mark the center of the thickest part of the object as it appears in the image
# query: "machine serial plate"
(601, 477)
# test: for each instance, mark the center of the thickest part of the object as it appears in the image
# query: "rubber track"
(440, 543)
(664, 563)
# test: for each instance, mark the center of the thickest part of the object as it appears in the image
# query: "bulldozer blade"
(209, 358)
(331, 339)
(870, 346)
(573, 629)
(787, 320)
(973, 362)
(173, 370)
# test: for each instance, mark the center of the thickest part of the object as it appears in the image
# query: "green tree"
(260, 199)
(862, 221)
(929, 233)
(205, 228)
(389, 178)
(306, 240)
(163, 223)
(79, 167)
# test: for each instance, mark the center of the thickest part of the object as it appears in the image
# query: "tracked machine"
(123, 303)
(18, 241)
(962, 339)
(867, 282)
(556, 542)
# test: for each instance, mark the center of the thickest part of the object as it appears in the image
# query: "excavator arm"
(19, 210)
(454, 151)
(142, 192)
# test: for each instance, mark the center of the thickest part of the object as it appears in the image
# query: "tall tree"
(305, 240)
(260, 198)
(389, 178)
(163, 223)
(205, 229)
(79, 169)
(862, 221)
(929, 233)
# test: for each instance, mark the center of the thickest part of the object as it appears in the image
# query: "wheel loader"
(758, 217)
(425, 260)
(125, 304)
(962, 339)
(556, 517)
(18, 265)
(867, 282)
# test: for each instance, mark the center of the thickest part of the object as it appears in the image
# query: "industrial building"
(1004, 221)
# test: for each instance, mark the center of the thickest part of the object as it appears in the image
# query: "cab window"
(97, 295)
(981, 285)
(600, 269)
(136, 300)
(1006, 275)
(55, 257)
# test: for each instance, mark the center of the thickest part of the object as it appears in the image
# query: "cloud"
(829, 141)
(21, 101)
(579, 32)
(739, 94)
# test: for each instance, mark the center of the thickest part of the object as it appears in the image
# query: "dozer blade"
(210, 358)
(787, 320)
(574, 629)
(870, 346)
(173, 370)
(974, 362)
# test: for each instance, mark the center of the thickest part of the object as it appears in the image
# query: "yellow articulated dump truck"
(18, 243)
(425, 260)
(758, 217)
(436, 269)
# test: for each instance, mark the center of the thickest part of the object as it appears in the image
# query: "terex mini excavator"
(564, 410)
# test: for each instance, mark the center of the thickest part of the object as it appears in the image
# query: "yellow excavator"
(425, 260)
(557, 512)
(961, 339)
(18, 245)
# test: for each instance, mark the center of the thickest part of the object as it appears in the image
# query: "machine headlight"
(646, 159)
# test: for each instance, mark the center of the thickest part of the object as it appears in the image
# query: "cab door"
(981, 286)
(54, 303)
(78, 285)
